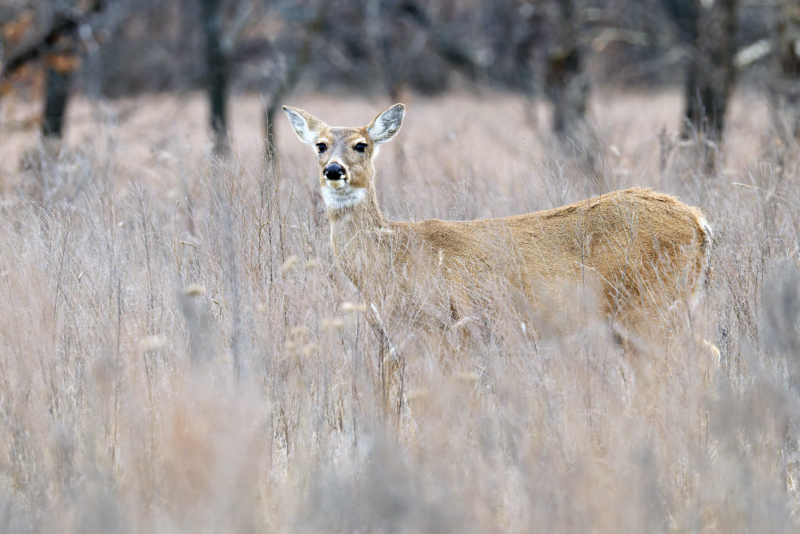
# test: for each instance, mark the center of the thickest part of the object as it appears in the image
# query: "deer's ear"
(306, 126)
(387, 124)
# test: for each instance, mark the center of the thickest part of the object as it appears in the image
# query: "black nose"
(334, 171)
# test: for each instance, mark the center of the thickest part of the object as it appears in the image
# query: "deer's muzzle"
(334, 171)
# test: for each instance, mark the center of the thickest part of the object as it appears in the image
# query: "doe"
(644, 250)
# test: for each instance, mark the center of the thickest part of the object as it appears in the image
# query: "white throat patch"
(342, 197)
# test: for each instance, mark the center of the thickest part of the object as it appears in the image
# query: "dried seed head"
(194, 290)
(289, 264)
(332, 325)
(312, 264)
(352, 307)
(152, 343)
(467, 377)
(310, 350)
(298, 331)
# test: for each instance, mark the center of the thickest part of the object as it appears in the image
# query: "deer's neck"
(362, 217)
(357, 233)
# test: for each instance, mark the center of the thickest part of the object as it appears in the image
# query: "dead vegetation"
(178, 352)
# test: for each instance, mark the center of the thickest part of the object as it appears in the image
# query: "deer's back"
(632, 242)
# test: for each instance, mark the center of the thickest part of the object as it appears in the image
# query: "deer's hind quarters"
(624, 238)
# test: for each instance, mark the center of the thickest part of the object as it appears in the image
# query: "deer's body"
(644, 249)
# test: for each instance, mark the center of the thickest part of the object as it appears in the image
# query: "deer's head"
(345, 154)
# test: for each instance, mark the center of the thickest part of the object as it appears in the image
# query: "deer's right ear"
(307, 127)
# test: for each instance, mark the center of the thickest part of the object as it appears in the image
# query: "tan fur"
(644, 249)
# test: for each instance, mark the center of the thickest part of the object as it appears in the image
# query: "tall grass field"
(179, 351)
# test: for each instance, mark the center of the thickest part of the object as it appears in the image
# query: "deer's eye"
(360, 147)
(321, 147)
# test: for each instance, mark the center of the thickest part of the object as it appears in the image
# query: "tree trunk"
(217, 73)
(270, 113)
(523, 51)
(785, 90)
(56, 99)
(290, 80)
(711, 75)
(60, 49)
(567, 83)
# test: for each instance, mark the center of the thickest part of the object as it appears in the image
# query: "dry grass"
(174, 355)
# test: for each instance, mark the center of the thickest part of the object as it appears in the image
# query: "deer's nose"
(334, 171)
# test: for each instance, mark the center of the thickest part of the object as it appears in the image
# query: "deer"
(646, 251)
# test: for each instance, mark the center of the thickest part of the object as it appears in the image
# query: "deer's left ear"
(387, 124)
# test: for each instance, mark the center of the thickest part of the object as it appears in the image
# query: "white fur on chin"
(342, 197)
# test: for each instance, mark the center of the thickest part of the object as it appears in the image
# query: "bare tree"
(567, 81)
(785, 86)
(59, 46)
(289, 68)
(56, 99)
(712, 72)
(216, 74)
(385, 23)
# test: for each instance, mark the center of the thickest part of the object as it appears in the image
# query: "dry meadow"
(179, 353)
